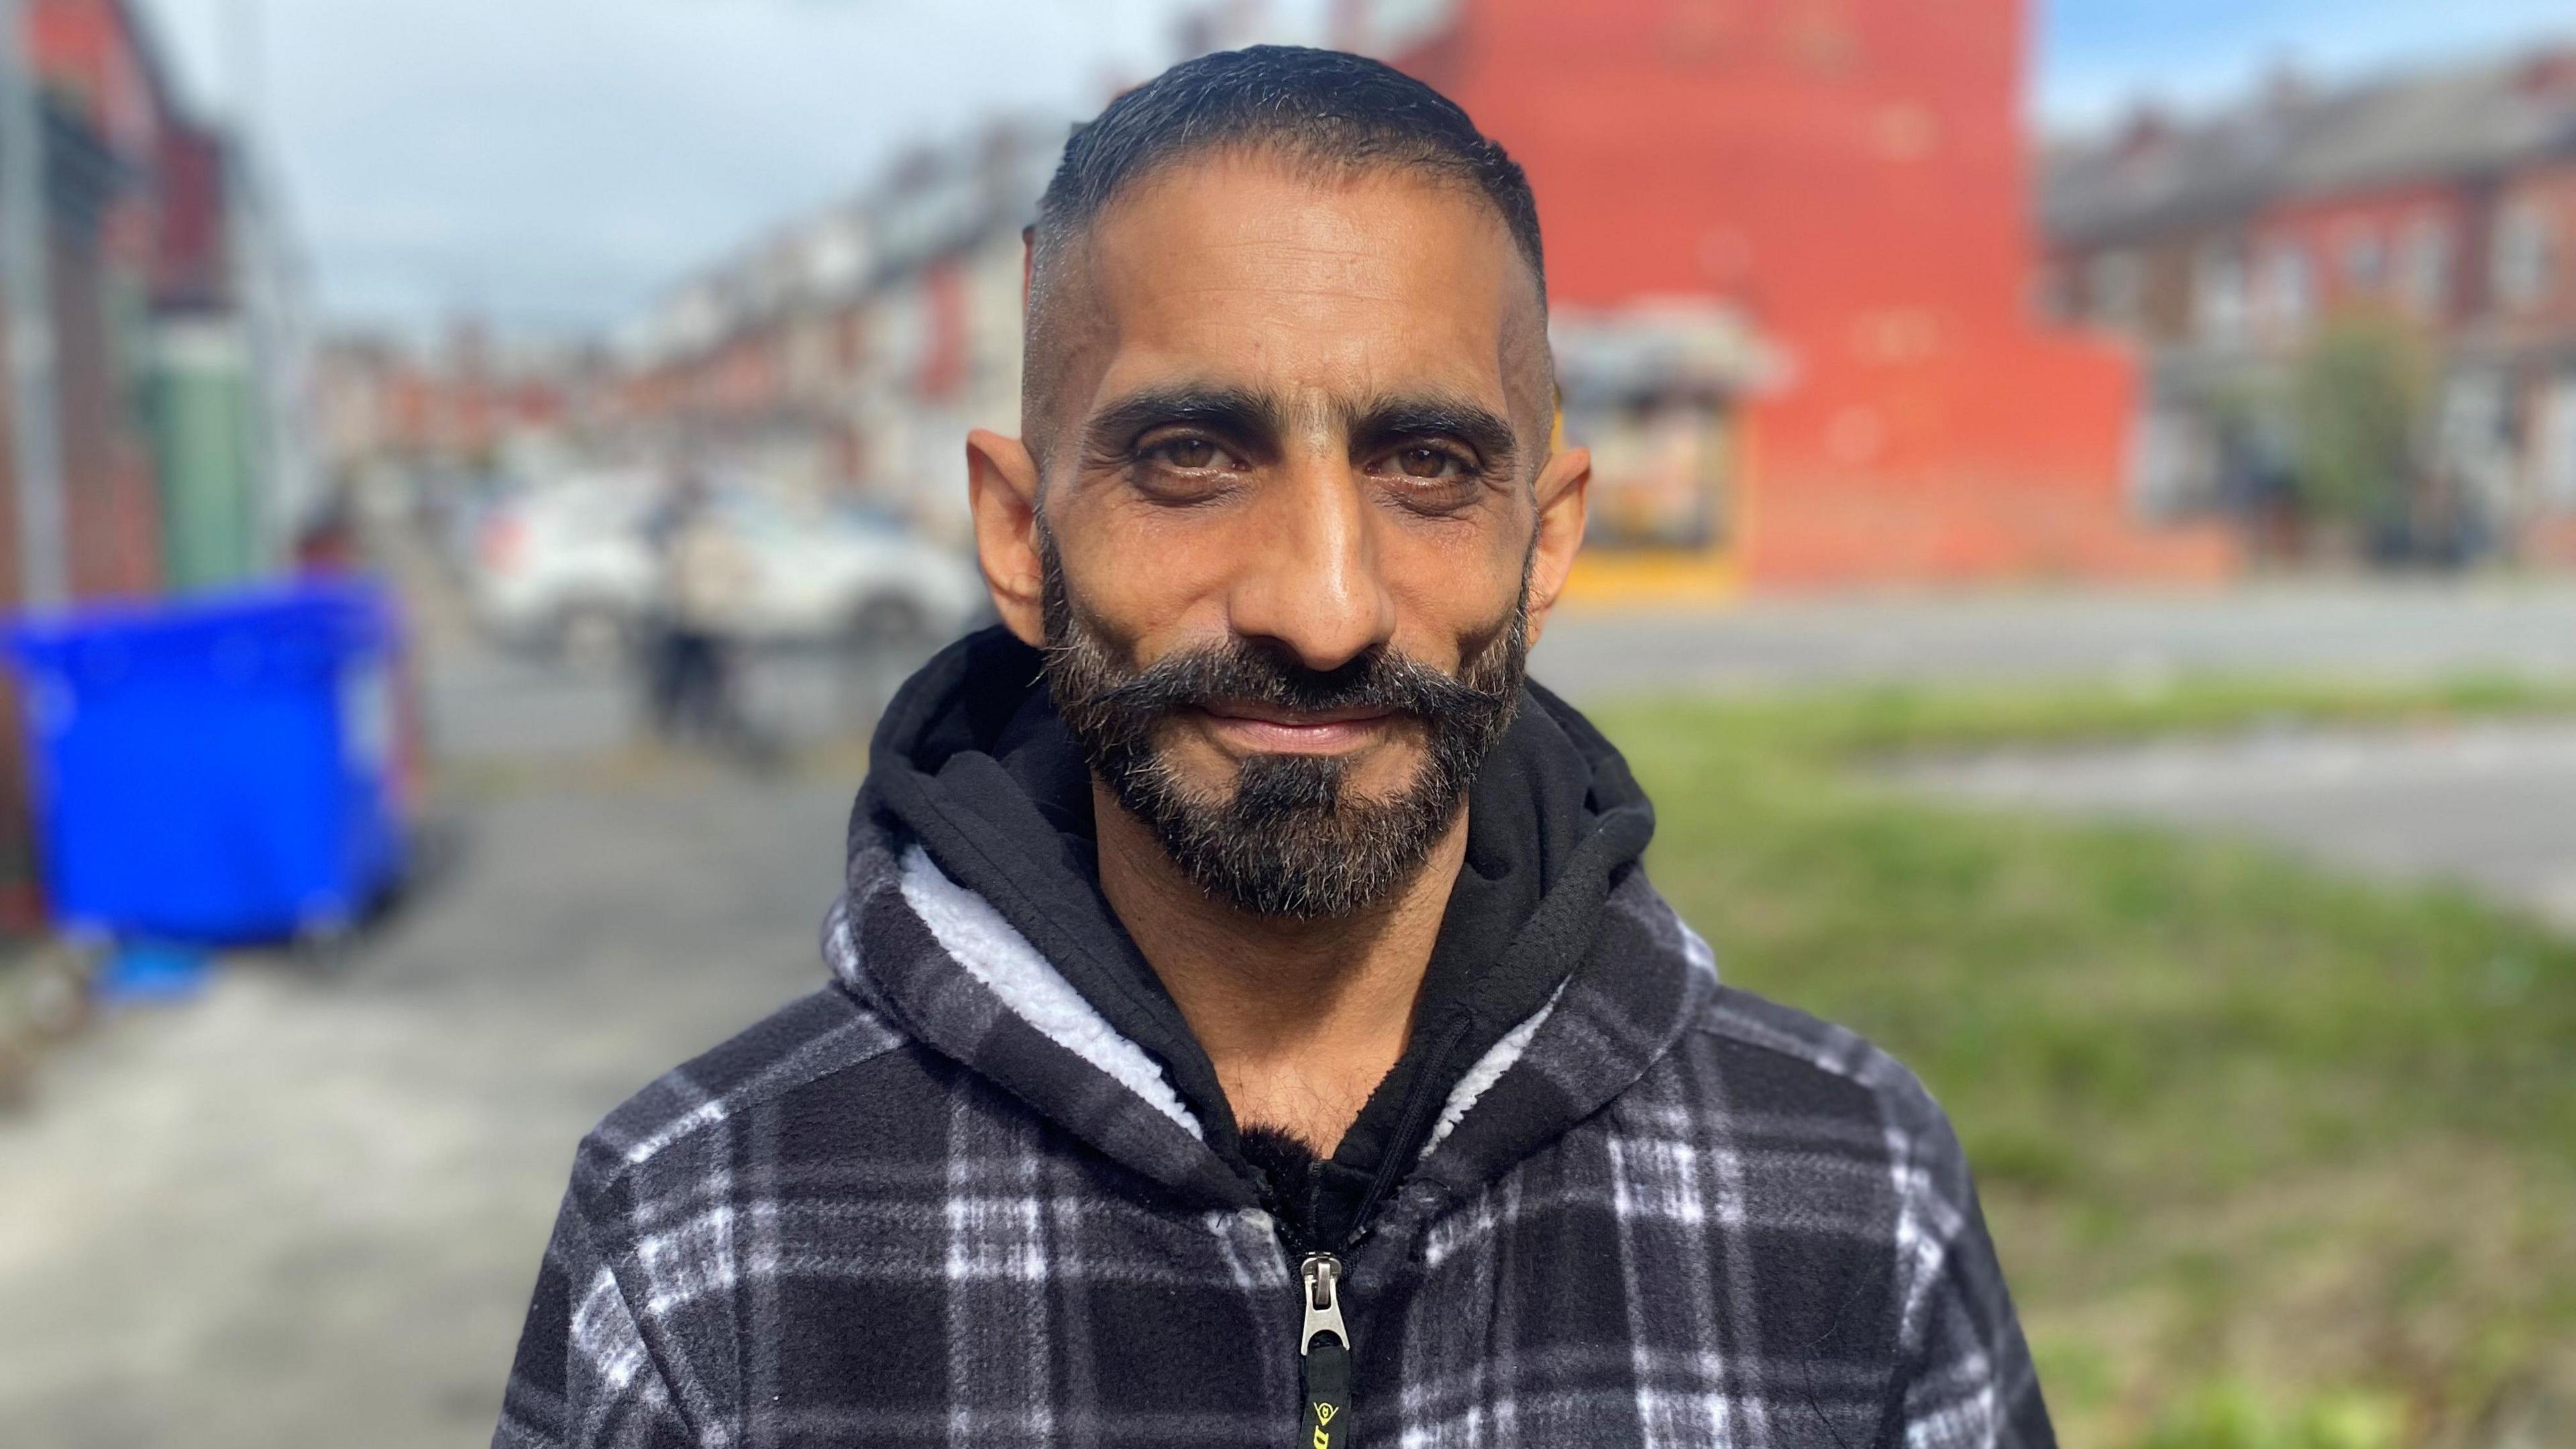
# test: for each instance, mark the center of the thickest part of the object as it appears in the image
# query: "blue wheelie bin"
(220, 770)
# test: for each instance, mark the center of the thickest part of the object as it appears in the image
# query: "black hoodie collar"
(971, 763)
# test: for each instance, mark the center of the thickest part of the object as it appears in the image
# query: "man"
(690, 658)
(1250, 1021)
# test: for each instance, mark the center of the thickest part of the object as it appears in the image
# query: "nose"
(1309, 581)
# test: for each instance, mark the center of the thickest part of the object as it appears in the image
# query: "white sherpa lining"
(1489, 1069)
(1695, 947)
(996, 954)
(1499, 1058)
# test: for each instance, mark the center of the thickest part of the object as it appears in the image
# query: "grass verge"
(2275, 1157)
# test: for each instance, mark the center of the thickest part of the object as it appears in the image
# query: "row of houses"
(471, 403)
(1824, 313)
(2436, 206)
(151, 371)
(843, 355)
(853, 350)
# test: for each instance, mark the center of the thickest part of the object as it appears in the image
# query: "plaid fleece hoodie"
(945, 1200)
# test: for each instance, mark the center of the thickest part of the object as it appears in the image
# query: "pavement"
(307, 1208)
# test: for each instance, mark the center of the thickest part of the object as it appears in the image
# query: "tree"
(2359, 397)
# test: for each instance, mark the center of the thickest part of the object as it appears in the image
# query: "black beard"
(1290, 841)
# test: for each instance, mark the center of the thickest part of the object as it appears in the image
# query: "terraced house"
(2411, 236)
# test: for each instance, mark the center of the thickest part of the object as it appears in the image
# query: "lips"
(1273, 729)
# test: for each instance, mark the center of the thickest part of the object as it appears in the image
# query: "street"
(2491, 805)
(2381, 627)
(307, 1208)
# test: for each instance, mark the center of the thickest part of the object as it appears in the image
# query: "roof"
(2156, 175)
(930, 202)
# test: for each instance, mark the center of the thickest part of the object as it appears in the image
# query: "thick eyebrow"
(1243, 415)
(1392, 419)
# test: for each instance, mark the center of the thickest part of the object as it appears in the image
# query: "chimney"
(2143, 132)
(2285, 88)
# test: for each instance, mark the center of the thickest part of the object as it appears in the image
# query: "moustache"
(1378, 680)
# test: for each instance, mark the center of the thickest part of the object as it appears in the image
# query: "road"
(306, 1209)
(2490, 805)
(2381, 629)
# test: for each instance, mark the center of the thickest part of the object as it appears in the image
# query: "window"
(2426, 276)
(2117, 282)
(2554, 450)
(2289, 288)
(2218, 295)
(2522, 257)
(1661, 464)
(2364, 261)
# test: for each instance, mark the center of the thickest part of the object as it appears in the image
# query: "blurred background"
(2083, 553)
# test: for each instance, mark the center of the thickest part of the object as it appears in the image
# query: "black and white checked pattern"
(901, 1213)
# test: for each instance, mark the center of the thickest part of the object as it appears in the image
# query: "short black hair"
(1340, 114)
(1324, 107)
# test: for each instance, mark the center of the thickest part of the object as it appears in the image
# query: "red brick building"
(108, 120)
(2443, 200)
(1826, 203)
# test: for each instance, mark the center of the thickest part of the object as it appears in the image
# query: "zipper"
(1324, 1340)
(1324, 1348)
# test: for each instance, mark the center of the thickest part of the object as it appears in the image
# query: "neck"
(1301, 1019)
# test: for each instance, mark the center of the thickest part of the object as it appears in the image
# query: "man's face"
(1291, 517)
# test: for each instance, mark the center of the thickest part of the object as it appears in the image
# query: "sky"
(554, 164)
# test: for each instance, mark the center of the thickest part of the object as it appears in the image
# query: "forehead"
(1241, 268)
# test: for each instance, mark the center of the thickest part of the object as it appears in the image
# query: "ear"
(1002, 493)
(1564, 491)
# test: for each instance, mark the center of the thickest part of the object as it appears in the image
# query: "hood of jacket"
(973, 920)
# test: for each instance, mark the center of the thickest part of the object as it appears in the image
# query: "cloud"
(554, 162)
(2096, 58)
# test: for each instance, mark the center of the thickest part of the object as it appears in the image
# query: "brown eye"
(1429, 463)
(1188, 454)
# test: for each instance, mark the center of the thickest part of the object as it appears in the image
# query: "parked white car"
(570, 569)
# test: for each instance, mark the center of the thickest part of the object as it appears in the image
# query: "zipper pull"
(1324, 1345)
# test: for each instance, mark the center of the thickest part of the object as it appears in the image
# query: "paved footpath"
(307, 1210)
